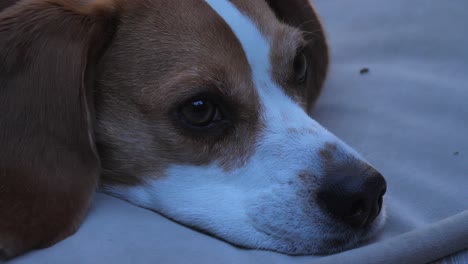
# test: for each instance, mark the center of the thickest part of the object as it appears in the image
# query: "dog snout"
(353, 198)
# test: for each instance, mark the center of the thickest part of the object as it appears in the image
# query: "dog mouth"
(334, 240)
(325, 244)
(336, 243)
(333, 243)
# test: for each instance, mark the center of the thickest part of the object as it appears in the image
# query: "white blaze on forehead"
(255, 46)
(257, 50)
(275, 103)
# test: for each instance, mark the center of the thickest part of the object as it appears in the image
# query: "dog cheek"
(278, 211)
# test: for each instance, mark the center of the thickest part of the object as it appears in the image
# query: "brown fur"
(48, 163)
(300, 14)
(301, 31)
(142, 59)
(6, 3)
(145, 74)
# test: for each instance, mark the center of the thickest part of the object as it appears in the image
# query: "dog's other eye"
(200, 112)
(300, 68)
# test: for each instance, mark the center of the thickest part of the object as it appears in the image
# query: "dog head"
(201, 115)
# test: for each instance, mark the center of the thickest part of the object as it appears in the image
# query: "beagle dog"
(196, 109)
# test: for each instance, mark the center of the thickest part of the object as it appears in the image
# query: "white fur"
(263, 204)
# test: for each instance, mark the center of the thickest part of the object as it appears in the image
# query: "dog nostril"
(357, 208)
(380, 201)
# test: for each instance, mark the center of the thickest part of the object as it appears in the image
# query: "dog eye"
(300, 68)
(200, 112)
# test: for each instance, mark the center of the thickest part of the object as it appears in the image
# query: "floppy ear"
(301, 14)
(49, 166)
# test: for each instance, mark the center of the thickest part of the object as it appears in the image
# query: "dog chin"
(336, 241)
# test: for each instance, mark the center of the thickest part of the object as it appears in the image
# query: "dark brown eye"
(201, 112)
(300, 68)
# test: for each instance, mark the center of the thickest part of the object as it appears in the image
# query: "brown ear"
(49, 167)
(301, 14)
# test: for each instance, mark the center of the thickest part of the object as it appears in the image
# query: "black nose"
(353, 198)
